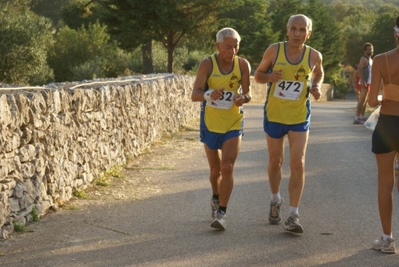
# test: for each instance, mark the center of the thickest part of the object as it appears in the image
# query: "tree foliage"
(135, 22)
(254, 27)
(181, 32)
(86, 53)
(25, 42)
(326, 36)
(383, 40)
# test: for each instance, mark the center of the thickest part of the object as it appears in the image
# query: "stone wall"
(58, 138)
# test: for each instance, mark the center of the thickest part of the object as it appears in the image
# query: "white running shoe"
(292, 224)
(387, 246)
(220, 221)
(274, 213)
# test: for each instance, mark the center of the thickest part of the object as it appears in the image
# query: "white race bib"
(290, 90)
(224, 102)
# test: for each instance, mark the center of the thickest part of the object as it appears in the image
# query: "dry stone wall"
(58, 138)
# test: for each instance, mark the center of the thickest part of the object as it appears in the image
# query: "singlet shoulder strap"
(368, 62)
(386, 60)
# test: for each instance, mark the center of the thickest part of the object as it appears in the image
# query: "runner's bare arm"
(317, 74)
(261, 73)
(245, 83)
(375, 81)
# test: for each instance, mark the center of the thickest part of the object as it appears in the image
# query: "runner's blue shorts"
(215, 140)
(278, 130)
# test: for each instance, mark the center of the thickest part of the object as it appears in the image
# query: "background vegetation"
(47, 41)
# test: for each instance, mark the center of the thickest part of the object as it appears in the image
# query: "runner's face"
(297, 31)
(227, 49)
(369, 51)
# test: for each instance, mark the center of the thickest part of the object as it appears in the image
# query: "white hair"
(227, 32)
(308, 21)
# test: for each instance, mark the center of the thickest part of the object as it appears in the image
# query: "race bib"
(224, 102)
(290, 90)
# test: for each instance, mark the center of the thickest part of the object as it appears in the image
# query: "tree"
(382, 32)
(25, 43)
(250, 19)
(355, 29)
(86, 53)
(50, 9)
(77, 13)
(280, 11)
(138, 22)
(326, 36)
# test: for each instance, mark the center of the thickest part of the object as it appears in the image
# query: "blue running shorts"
(215, 140)
(278, 130)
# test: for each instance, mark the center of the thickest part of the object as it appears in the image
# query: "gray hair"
(308, 21)
(227, 32)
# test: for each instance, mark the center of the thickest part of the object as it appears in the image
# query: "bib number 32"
(224, 102)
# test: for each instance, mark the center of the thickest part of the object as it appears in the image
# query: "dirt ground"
(138, 178)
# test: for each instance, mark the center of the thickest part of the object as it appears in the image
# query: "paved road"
(169, 226)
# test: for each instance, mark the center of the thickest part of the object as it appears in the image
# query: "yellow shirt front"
(288, 100)
(222, 115)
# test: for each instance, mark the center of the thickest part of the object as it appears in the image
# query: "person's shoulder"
(313, 49)
(243, 60)
(207, 60)
(205, 64)
(244, 63)
(315, 52)
(363, 58)
(273, 47)
(379, 57)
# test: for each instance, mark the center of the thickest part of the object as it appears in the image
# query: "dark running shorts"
(385, 137)
(277, 130)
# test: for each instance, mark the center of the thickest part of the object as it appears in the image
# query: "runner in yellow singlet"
(222, 85)
(292, 70)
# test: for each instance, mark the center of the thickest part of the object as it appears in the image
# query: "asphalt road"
(169, 225)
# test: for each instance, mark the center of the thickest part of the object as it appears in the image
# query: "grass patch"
(19, 228)
(73, 207)
(101, 181)
(115, 171)
(80, 194)
(35, 215)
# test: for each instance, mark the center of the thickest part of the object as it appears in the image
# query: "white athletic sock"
(385, 237)
(276, 197)
(292, 211)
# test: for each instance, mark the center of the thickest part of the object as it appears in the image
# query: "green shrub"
(35, 215)
(26, 40)
(340, 86)
(19, 228)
